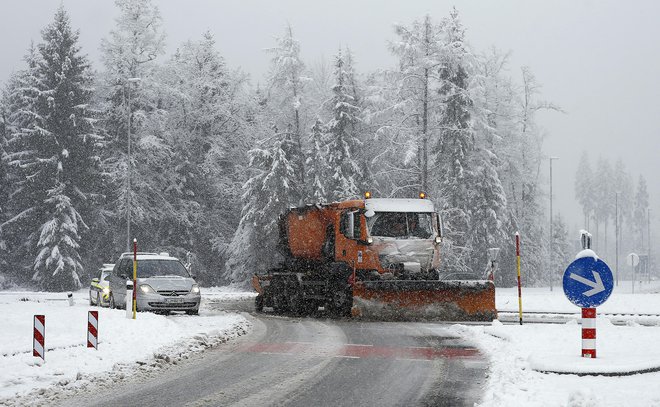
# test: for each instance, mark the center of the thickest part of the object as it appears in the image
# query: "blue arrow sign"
(588, 282)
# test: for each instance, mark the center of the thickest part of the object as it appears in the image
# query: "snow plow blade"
(423, 300)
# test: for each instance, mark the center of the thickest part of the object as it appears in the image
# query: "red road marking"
(362, 351)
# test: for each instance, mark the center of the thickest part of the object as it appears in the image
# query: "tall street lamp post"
(129, 167)
(552, 275)
(648, 229)
(616, 232)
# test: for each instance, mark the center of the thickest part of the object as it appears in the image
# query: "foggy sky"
(598, 60)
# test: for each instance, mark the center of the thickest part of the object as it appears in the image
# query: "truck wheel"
(259, 303)
(112, 302)
(341, 302)
(297, 304)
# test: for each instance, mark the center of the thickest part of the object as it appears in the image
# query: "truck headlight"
(194, 289)
(146, 288)
(106, 290)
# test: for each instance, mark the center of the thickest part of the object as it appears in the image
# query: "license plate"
(174, 300)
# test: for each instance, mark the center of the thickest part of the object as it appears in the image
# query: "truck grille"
(172, 293)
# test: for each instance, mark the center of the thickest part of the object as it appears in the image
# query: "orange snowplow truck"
(371, 258)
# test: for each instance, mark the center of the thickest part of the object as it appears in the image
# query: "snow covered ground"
(519, 354)
(150, 342)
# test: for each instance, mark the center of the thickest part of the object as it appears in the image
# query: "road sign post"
(589, 333)
(520, 316)
(633, 260)
(588, 282)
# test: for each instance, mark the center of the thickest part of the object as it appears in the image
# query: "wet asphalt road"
(289, 361)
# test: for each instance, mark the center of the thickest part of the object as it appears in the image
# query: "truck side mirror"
(95, 280)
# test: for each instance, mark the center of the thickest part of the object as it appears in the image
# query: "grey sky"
(598, 60)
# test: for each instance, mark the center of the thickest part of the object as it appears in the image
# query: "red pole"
(518, 267)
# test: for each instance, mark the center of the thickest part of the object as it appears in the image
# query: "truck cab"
(395, 238)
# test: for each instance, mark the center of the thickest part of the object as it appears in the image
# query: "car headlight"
(194, 289)
(146, 288)
(106, 290)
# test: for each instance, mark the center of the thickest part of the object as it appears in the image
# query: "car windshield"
(401, 225)
(154, 268)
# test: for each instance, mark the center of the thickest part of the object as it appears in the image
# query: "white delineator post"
(129, 299)
(93, 329)
(39, 337)
(589, 333)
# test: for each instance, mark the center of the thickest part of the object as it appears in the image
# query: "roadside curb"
(607, 374)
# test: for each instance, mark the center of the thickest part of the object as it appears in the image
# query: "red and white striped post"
(39, 337)
(93, 329)
(589, 333)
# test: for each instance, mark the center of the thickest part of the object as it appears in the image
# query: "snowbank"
(124, 344)
(516, 352)
(520, 355)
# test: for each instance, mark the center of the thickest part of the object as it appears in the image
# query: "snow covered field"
(518, 354)
(152, 341)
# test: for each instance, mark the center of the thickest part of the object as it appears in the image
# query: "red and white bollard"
(589, 333)
(38, 343)
(93, 329)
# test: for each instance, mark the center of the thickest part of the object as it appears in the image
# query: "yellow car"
(99, 289)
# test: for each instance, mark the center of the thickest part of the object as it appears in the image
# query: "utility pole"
(648, 230)
(552, 271)
(616, 232)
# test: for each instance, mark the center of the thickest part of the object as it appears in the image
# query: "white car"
(99, 289)
(164, 284)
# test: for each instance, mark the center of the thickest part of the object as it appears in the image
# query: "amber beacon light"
(367, 195)
(422, 195)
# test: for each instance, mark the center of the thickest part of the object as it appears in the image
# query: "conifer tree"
(318, 170)
(343, 143)
(640, 212)
(131, 95)
(421, 55)
(561, 255)
(268, 194)
(456, 145)
(584, 188)
(55, 150)
(28, 175)
(286, 85)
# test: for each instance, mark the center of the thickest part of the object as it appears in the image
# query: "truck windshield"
(401, 225)
(152, 268)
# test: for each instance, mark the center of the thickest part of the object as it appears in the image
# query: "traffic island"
(603, 366)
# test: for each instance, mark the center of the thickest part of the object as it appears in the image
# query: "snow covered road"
(318, 362)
